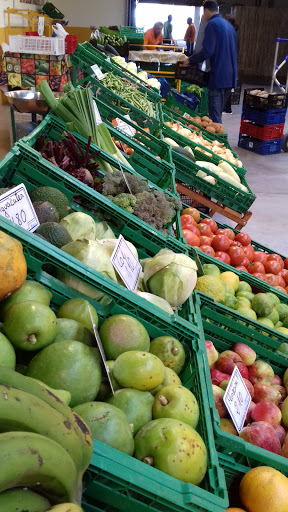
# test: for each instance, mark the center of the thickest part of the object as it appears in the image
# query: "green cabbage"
(143, 76)
(171, 276)
(157, 301)
(79, 225)
(102, 230)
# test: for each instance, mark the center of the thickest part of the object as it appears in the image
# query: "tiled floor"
(266, 175)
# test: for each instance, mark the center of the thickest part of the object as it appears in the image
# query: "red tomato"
(223, 256)
(236, 255)
(226, 231)
(220, 243)
(191, 238)
(284, 274)
(193, 212)
(243, 238)
(260, 275)
(211, 223)
(192, 228)
(281, 282)
(272, 279)
(187, 219)
(272, 267)
(283, 290)
(245, 262)
(207, 249)
(206, 240)
(276, 257)
(286, 262)
(233, 243)
(256, 267)
(249, 252)
(260, 256)
(205, 230)
(242, 268)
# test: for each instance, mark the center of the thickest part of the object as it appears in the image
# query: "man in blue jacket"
(220, 47)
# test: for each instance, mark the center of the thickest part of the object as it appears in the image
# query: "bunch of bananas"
(112, 40)
(44, 446)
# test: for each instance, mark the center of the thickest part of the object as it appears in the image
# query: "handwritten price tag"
(124, 127)
(237, 399)
(16, 206)
(96, 112)
(125, 263)
(101, 349)
(97, 71)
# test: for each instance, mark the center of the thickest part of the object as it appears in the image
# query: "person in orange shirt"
(153, 36)
(190, 36)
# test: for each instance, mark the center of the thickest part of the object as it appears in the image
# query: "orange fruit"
(264, 489)
(233, 509)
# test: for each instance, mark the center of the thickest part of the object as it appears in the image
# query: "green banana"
(66, 507)
(21, 411)
(10, 378)
(19, 500)
(62, 394)
(37, 462)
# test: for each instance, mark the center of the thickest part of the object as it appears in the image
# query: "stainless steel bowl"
(28, 102)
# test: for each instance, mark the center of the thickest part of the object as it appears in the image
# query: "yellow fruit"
(233, 509)
(230, 278)
(13, 268)
(264, 489)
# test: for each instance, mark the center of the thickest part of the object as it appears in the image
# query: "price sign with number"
(97, 71)
(16, 206)
(125, 263)
(237, 399)
(124, 127)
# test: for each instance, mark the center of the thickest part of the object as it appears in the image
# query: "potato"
(204, 124)
(206, 119)
(197, 120)
(211, 129)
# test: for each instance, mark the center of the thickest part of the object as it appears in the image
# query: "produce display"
(141, 75)
(112, 38)
(195, 89)
(202, 144)
(204, 122)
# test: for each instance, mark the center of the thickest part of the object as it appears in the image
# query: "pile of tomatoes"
(235, 250)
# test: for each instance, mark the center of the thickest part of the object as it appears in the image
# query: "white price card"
(101, 349)
(125, 263)
(237, 399)
(97, 113)
(16, 206)
(124, 127)
(186, 115)
(97, 71)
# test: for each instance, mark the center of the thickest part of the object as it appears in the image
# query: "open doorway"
(147, 14)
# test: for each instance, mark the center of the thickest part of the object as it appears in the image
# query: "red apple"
(284, 451)
(247, 354)
(250, 387)
(249, 412)
(224, 384)
(263, 435)
(217, 376)
(227, 361)
(243, 370)
(265, 392)
(261, 372)
(268, 412)
(282, 392)
(218, 394)
(211, 353)
(281, 433)
(276, 380)
(227, 426)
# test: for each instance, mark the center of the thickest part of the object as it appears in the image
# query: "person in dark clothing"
(220, 47)
(228, 107)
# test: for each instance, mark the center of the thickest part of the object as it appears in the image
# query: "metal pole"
(274, 66)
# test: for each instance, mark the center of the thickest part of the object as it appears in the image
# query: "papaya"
(13, 268)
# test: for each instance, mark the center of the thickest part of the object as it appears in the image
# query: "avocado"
(46, 212)
(53, 196)
(54, 233)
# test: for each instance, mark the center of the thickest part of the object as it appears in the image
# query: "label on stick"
(15, 205)
(125, 263)
(237, 399)
(101, 349)
(97, 71)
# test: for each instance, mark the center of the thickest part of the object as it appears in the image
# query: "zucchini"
(184, 152)
(110, 49)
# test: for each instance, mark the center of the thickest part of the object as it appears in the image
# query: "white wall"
(16, 21)
(85, 13)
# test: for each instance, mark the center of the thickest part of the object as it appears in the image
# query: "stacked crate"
(262, 123)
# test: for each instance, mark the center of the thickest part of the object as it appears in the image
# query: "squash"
(13, 268)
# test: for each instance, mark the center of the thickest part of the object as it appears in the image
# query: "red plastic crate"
(262, 132)
(70, 43)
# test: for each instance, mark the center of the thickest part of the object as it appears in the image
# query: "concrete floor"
(267, 176)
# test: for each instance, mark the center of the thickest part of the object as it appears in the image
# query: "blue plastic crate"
(274, 116)
(187, 99)
(263, 147)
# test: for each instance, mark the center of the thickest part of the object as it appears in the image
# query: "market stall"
(143, 345)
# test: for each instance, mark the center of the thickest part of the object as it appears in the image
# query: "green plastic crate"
(234, 473)
(133, 34)
(222, 191)
(86, 55)
(241, 451)
(183, 141)
(147, 485)
(25, 165)
(160, 173)
(153, 144)
(203, 106)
